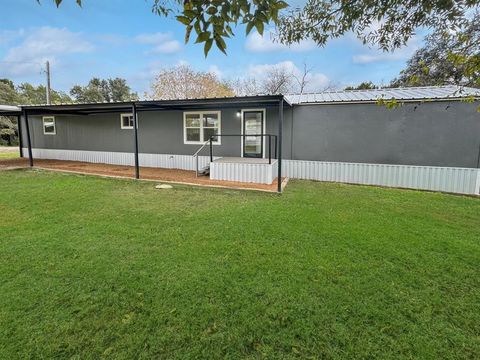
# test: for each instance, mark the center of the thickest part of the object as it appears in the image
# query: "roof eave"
(425, 100)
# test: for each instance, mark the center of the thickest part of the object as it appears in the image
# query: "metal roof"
(8, 110)
(425, 93)
(402, 94)
(152, 105)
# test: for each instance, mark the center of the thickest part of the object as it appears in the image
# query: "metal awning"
(153, 105)
(9, 110)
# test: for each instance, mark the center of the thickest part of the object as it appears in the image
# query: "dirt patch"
(9, 149)
(7, 164)
(166, 175)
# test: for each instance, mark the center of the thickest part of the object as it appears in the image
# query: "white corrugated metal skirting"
(167, 161)
(447, 179)
(244, 172)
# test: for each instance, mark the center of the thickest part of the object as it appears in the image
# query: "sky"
(114, 38)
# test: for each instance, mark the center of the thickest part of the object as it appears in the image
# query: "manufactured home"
(429, 140)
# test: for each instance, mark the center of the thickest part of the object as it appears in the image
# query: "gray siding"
(158, 132)
(435, 133)
(432, 133)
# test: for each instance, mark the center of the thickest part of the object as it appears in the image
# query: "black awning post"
(20, 135)
(280, 131)
(135, 134)
(29, 140)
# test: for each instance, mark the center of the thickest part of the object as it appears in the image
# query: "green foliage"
(366, 85)
(320, 20)
(38, 94)
(212, 21)
(386, 23)
(446, 58)
(97, 268)
(8, 93)
(8, 131)
(103, 90)
(390, 103)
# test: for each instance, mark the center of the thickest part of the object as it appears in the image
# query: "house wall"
(431, 133)
(426, 134)
(159, 132)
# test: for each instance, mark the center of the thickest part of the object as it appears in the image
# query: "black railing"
(211, 140)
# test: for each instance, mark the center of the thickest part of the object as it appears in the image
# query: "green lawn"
(99, 268)
(9, 155)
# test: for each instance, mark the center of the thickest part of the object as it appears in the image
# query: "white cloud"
(315, 81)
(258, 43)
(168, 47)
(163, 43)
(214, 69)
(375, 55)
(182, 62)
(42, 44)
(259, 71)
(7, 36)
(153, 38)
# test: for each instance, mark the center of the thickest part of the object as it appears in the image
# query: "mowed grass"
(9, 155)
(96, 268)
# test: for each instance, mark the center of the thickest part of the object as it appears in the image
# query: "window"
(200, 126)
(49, 125)
(126, 121)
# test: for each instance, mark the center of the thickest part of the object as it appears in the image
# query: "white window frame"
(264, 129)
(49, 118)
(121, 121)
(201, 114)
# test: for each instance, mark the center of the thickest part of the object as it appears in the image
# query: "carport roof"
(151, 105)
(424, 93)
(8, 110)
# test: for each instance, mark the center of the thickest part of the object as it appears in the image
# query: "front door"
(252, 127)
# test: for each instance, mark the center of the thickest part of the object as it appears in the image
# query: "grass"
(9, 155)
(100, 268)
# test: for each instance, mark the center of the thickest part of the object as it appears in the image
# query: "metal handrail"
(196, 156)
(244, 136)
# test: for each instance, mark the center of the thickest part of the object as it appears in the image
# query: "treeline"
(97, 90)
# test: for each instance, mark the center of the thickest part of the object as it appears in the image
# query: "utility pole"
(48, 83)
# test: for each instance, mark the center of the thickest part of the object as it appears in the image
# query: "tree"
(366, 85)
(8, 93)
(274, 80)
(446, 58)
(303, 78)
(387, 23)
(32, 94)
(8, 131)
(245, 86)
(103, 90)
(183, 82)
(278, 80)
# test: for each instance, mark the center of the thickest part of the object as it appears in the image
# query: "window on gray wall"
(126, 121)
(199, 126)
(49, 125)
